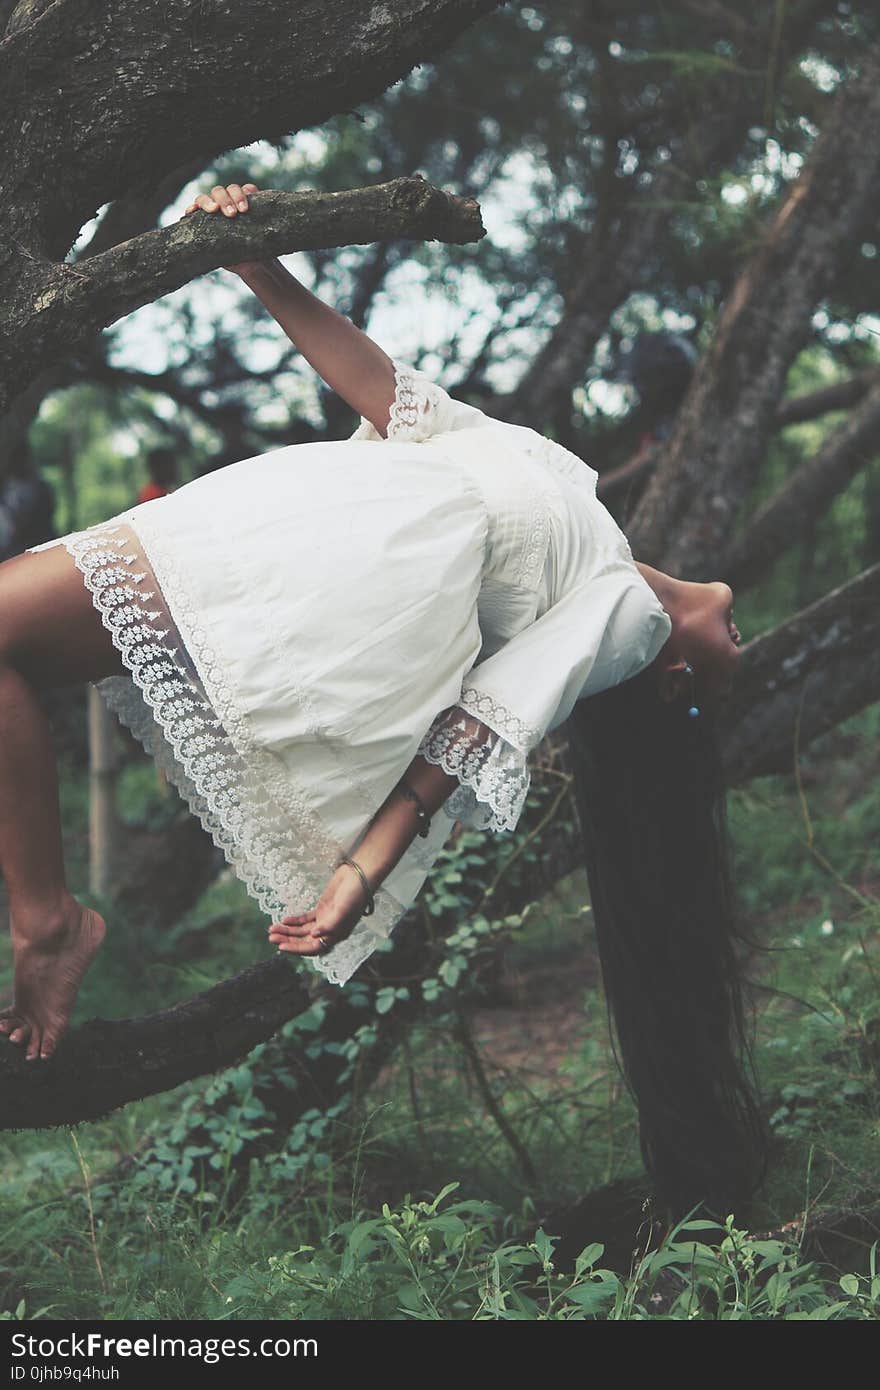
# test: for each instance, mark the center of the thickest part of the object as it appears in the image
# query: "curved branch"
(68, 304)
(103, 1065)
(804, 677)
(614, 480)
(157, 262)
(840, 395)
(805, 495)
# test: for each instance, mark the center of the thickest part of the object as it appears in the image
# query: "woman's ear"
(671, 680)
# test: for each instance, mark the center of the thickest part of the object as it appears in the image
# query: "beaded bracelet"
(370, 905)
(412, 795)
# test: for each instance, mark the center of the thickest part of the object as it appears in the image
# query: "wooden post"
(103, 771)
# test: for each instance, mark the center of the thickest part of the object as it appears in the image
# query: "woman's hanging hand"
(333, 918)
(230, 199)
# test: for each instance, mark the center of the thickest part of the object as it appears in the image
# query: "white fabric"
(298, 625)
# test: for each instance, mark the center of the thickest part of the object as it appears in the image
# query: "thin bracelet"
(370, 906)
(412, 795)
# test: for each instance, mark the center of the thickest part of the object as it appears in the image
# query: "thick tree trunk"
(99, 101)
(110, 105)
(631, 219)
(708, 467)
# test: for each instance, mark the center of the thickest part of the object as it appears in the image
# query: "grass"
(86, 1234)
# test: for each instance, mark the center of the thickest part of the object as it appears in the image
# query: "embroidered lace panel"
(269, 835)
(494, 776)
(496, 714)
(414, 411)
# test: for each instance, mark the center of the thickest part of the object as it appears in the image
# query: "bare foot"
(49, 967)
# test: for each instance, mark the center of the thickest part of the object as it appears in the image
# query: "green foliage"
(427, 1261)
(441, 1259)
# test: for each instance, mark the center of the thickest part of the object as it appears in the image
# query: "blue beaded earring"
(689, 671)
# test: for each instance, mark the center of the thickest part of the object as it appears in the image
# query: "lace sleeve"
(493, 774)
(420, 408)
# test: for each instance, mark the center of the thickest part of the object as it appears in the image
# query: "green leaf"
(588, 1257)
(385, 999)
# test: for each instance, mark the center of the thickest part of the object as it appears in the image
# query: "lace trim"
(502, 720)
(407, 405)
(414, 410)
(273, 841)
(494, 777)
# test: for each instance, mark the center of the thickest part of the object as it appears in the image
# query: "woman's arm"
(347, 359)
(349, 362)
(390, 833)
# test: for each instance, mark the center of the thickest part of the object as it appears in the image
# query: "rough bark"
(805, 496)
(138, 211)
(116, 106)
(125, 218)
(60, 307)
(709, 465)
(802, 678)
(103, 1065)
(98, 101)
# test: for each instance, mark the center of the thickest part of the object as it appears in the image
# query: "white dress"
(299, 625)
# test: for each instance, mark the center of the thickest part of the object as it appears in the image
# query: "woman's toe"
(20, 1033)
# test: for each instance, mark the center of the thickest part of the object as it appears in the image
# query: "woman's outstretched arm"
(348, 360)
(390, 832)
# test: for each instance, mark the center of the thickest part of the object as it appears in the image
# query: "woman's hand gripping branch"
(348, 360)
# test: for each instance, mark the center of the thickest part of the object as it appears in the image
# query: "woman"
(328, 645)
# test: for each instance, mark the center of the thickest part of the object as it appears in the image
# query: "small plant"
(432, 1260)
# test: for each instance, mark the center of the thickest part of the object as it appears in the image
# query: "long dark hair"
(651, 801)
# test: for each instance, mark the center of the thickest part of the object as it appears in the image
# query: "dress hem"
(236, 792)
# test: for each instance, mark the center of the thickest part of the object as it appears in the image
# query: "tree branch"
(103, 1065)
(840, 395)
(139, 211)
(805, 495)
(67, 304)
(795, 410)
(802, 678)
(613, 480)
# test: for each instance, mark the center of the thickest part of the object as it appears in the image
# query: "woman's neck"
(667, 589)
